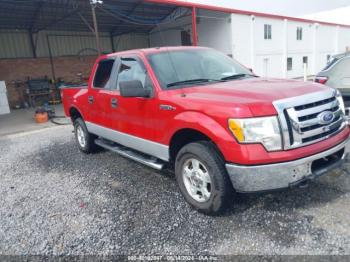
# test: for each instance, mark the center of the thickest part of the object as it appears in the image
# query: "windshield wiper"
(237, 76)
(194, 81)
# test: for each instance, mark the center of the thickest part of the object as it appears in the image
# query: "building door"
(4, 105)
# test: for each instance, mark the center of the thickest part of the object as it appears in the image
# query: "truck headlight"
(340, 101)
(264, 130)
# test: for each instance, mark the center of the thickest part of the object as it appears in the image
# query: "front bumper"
(286, 174)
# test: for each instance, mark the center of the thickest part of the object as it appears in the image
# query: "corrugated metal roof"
(116, 17)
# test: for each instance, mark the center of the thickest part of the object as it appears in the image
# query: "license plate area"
(322, 165)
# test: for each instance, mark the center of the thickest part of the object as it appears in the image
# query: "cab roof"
(153, 50)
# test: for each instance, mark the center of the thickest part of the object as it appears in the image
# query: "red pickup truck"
(222, 128)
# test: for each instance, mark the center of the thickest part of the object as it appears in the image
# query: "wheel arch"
(74, 113)
(185, 136)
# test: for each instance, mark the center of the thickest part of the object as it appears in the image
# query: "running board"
(129, 153)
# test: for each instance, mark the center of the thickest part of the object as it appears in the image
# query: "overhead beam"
(32, 44)
(128, 14)
(36, 13)
(98, 45)
(86, 23)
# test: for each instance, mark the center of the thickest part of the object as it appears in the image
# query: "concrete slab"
(22, 120)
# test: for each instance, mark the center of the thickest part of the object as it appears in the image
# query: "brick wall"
(66, 68)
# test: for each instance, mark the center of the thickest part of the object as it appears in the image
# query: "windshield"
(176, 69)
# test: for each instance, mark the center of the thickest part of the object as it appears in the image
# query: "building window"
(267, 32)
(289, 63)
(305, 60)
(299, 33)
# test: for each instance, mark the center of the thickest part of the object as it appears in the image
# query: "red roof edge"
(237, 11)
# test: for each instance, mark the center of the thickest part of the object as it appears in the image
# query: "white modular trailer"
(271, 46)
(287, 47)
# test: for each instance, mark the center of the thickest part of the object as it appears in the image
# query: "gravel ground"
(58, 201)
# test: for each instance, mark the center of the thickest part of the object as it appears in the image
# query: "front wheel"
(201, 174)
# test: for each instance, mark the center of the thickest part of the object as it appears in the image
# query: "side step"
(129, 153)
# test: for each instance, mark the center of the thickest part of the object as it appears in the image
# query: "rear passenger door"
(98, 93)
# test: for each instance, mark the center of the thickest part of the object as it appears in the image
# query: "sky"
(339, 15)
(280, 7)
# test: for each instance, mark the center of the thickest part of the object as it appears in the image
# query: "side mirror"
(133, 88)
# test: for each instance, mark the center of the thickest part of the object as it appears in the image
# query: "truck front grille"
(301, 118)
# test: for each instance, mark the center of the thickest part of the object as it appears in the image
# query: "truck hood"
(257, 94)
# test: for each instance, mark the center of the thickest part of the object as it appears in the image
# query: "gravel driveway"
(58, 201)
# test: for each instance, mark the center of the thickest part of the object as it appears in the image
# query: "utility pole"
(93, 4)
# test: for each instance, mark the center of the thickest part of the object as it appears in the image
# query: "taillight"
(321, 79)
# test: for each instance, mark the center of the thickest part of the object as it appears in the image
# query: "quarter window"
(267, 31)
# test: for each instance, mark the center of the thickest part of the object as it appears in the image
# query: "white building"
(272, 45)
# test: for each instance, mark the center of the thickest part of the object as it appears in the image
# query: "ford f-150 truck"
(221, 128)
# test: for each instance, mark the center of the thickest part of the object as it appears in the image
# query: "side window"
(103, 73)
(133, 69)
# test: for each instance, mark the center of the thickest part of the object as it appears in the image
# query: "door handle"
(91, 99)
(114, 102)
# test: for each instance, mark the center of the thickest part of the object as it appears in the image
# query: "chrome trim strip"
(279, 175)
(317, 109)
(315, 121)
(343, 125)
(145, 146)
(322, 129)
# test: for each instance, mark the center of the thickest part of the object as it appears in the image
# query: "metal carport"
(115, 17)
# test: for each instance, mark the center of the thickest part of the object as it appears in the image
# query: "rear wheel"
(201, 174)
(84, 139)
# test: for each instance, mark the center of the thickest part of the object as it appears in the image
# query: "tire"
(216, 193)
(84, 139)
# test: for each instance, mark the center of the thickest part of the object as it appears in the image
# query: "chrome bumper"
(283, 175)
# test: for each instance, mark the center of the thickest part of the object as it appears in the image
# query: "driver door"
(133, 116)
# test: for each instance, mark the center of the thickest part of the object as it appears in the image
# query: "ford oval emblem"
(325, 117)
